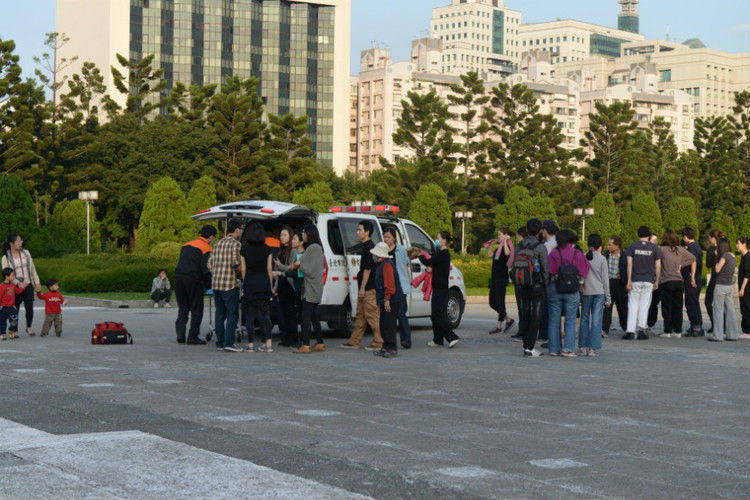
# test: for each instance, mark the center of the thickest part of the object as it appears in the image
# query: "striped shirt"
(223, 264)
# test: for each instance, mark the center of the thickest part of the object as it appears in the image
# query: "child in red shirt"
(8, 311)
(52, 310)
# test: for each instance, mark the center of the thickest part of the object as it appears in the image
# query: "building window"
(665, 75)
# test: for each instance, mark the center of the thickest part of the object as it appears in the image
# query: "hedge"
(103, 272)
(477, 270)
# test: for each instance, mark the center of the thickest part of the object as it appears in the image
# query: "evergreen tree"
(423, 128)
(641, 211)
(202, 195)
(470, 97)
(236, 117)
(511, 213)
(528, 150)
(715, 142)
(726, 223)
(740, 121)
(609, 144)
(289, 156)
(85, 92)
(744, 225)
(605, 220)
(142, 85)
(430, 210)
(52, 66)
(662, 156)
(681, 213)
(317, 196)
(165, 216)
(17, 215)
(691, 180)
(71, 216)
(191, 104)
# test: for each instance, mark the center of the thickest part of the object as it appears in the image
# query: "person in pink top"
(53, 300)
(561, 300)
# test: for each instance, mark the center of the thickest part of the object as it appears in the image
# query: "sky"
(722, 24)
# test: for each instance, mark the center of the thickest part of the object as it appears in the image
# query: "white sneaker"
(167, 305)
(433, 344)
(666, 335)
(156, 305)
(676, 335)
(453, 342)
(533, 353)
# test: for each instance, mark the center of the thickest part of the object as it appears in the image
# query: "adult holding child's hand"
(19, 259)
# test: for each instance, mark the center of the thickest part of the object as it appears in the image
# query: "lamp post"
(463, 216)
(88, 197)
(584, 213)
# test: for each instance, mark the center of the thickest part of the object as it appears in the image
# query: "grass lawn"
(477, 291)
(110, 295)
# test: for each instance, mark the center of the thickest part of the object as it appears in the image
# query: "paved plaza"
(656, 419)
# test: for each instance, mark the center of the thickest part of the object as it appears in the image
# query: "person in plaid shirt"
(225, 264)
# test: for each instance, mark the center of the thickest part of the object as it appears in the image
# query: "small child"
(161, 289)
(8, 311)
(52, 310)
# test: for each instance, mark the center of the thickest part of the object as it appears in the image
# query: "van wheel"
(345, 321)
(454, 308)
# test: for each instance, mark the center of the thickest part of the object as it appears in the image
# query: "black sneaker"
(180, 340)
(517, 337)
(642, 335)
(628, 336)
(234, 348)
(544, 345)
(196, 341)
(695, 333)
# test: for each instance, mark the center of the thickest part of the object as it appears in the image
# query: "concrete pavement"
(663, 418)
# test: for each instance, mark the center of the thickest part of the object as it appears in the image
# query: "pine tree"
(662, 156)
(469, 97)
(430, 210)
(726, 223)
(202, 195)
(317, 196)
(605, 220)
(17, 215)
(52, 66)
(744, 226)
(71, 216)
(164, 217)
(641, 211)
(142, 85)
(740, 121)
(681, 213)
(236, 116)
(191, 104)
(511, 213)
(289, 156)
(423, 128)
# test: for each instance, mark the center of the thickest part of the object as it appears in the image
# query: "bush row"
(103, 272)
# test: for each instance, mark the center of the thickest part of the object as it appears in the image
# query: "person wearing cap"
(389, 296)
(191, 278)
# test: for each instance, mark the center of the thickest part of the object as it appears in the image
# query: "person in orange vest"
(192, 277)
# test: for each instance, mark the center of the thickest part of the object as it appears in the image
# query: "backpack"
(522, 271)
(110, 333)
(567, 276)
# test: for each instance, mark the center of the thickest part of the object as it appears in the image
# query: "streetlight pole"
(88, 197)
(584, 214)
(463, 216)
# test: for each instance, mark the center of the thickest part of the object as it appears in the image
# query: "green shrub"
(477, 270)
(167, 250)
(104, 272)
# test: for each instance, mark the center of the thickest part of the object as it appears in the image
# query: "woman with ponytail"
(593, 299)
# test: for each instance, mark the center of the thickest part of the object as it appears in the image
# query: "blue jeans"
(590, 331)
(557, 303)
(227, 304)
(404, 329)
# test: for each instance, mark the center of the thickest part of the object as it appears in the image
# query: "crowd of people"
(563, 293)
(566, 284)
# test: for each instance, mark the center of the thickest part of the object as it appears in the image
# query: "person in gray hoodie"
(312, 264)
(594, 296)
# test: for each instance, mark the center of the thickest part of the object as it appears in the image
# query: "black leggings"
(310, 318)
(27, 298)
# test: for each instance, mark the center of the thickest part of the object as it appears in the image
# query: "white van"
(342, 250)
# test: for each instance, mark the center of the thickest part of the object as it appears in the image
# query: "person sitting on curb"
(161, 289)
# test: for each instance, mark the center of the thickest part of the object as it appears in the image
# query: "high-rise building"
(477, 35)
(627, 19)
(299, 50)
(568, 40)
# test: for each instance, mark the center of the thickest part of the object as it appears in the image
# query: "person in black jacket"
(441, 266)
(192, 277)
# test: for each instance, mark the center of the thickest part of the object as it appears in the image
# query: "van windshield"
(352, 245)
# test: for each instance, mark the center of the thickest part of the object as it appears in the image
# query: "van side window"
(348, 227)
(334, 238)
(419, 238)
(399, 236)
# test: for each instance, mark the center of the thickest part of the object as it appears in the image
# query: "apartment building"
(299, 50)
(477, 35)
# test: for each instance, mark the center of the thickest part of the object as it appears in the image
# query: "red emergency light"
(364, 209)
